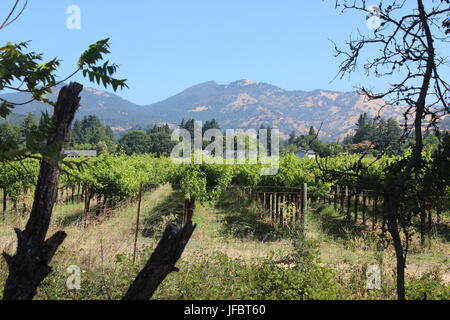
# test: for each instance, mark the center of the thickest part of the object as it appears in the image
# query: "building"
(306, 154)
(80, 153)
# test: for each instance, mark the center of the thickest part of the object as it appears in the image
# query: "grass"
(233, 241)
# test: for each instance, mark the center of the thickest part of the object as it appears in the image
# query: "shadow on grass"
(169, 210)
(334, 225)
(75, 217)
(241, 218)
(443, 230)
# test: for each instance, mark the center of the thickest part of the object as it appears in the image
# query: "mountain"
(240, 104)
(247, 104)
(110, 108)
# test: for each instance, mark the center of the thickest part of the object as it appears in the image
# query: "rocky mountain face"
(240, 104)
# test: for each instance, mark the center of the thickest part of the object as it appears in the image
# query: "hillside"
(240, 104)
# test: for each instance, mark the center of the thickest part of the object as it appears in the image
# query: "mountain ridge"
(239, 104)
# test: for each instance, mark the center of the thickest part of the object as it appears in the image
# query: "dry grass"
(98, 245)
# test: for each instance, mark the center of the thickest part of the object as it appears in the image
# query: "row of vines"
(115, 178)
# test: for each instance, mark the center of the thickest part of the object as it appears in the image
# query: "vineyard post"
(272, 206)
(349, 199)
(73, 194)
(430, 225)
(277, 206)
(385, 208)
(335, 198)
(282, 207)
(264, 203)
(298, 205)
(304, 220)
(356, 206)
(86, 204)
(137, 222)
(364, 207)
(375, 209)
(5, 195)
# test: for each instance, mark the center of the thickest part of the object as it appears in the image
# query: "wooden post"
(298, 204)
(349, 199)
(430, 225)
(356, 206)
(86, 204)
(5, 198)
(282, 203)
(263, 202)
(335, 198)
(374, 213)
(73, 194)
(272, 206)
(364, 206)
(137, 222)
(385, 208)
(305, 210)
(277, 206)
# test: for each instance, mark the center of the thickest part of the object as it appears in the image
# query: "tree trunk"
(392, 199)
(161, 263)
(30, 265)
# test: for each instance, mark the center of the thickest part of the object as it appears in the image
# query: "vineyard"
(110, 180)
(308, 196)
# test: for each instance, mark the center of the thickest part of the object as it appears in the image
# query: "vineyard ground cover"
(344, 244)
(103, 250)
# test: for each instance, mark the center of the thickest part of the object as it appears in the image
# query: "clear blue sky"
(166, 46)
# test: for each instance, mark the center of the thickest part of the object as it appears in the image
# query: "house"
(80, 153)
(306, 154)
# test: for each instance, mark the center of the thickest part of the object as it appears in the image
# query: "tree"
(29, 124)
(378, 135)
(91, 131)
(134, 142)
(25, 72)
(292, 137)
(403, 49)
(30, 264)
(9, 134)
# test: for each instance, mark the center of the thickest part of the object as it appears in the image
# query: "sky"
(164, 47)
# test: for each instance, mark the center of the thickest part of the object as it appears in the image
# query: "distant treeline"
(372, 136)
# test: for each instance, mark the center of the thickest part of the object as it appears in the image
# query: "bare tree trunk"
(30, 265)
(392, 200)
(161, 263)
